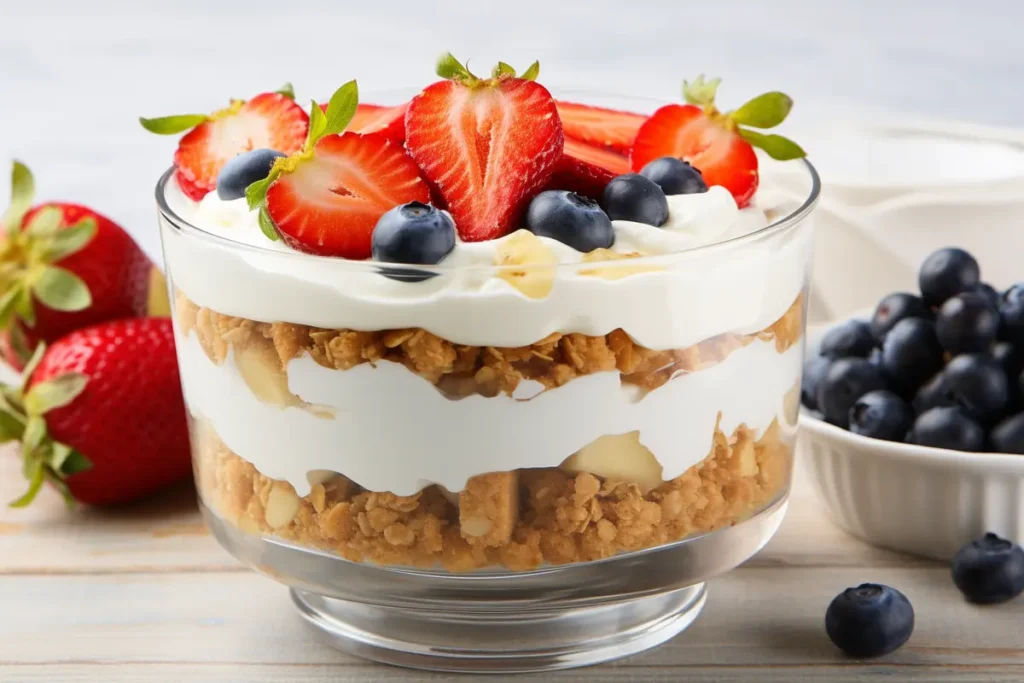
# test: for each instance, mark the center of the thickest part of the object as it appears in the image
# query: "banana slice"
(523, 248)
(618, 456)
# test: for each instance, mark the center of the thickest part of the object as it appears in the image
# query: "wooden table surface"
(145, 594)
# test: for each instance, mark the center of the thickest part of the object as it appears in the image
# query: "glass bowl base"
(531, 641)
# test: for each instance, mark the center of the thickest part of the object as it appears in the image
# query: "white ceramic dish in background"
(914, 499)
(895, 192)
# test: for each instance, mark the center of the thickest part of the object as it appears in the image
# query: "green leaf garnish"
(256, 193)
(764, 111)
(172, 125)
(61, 290)
(317, 125)
(46, 222)
(502, 69)
(71, 239)
(531, 72)
(777, 147)
(55, 393)
(701, 92)
(23, 188)
(267, 226)
(288, 90)
(341, 108)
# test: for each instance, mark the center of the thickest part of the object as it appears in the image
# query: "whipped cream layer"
(683, 298)
(393, 431)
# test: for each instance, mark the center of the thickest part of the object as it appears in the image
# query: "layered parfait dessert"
(485, 328)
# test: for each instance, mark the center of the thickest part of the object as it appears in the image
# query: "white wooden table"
(145, 594)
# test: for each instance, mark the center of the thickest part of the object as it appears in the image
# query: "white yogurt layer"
(393, 431)
(690, 297)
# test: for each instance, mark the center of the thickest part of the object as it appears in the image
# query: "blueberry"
(989, 292)
(1008, 435)
(675, 176)
(911, 354)
(632, 197)
(1006, 355)
(932, 394)
(881, 415)
(847, 380)
(894, 308)
(875, 357)
(966, 322)
(946, 273)
(989, 570)
(978, 384)
(243, 170)
(571, 219)
(948, 427)
(814, 372)
(852, 338)
(869, 620)
(412, 233)
(1011, 313)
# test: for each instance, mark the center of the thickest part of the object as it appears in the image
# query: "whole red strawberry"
(486, 144)
(101, 413)
(270, 120)
(715, 142)
(64, 266)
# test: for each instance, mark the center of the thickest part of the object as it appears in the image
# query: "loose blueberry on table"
(951, 361)
(869, 620)
(989, 570)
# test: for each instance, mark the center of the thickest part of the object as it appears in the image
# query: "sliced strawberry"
(330, 203)
(377, 118)
(267, 121)
(598, 126)
(488, 145)
(586, 169)
(686, 132)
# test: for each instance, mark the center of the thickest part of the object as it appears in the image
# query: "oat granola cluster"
(519, 519)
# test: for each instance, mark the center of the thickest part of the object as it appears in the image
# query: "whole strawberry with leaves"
(100, 414)
(719, 144)
(64, 266)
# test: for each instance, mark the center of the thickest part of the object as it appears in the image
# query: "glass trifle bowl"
(508, 461)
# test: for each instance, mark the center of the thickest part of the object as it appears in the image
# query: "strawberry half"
(599, 126)
(714, 142)
(487, 145)
(331, 202)
(374, 118)
(586, 169)
(270, 120)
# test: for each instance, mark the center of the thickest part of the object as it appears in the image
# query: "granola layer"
(519, 520)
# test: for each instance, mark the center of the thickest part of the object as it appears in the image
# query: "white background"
(76, 74)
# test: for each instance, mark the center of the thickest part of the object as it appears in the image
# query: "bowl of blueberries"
(912, 425)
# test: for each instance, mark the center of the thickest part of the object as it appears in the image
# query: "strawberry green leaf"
(36, 475)
(172, 125)
(502, 69)
(54, 393)
(341, 108)
(11, 428)
(61, 290)
(452, 69)
(317, 125)
(74, 463)
(764, 111)
(35, 434)
(72, 239)
(256, 193)
(267, 226)
(46, 222)
(288, 90)
(777, 147)
(701, 92)
(7, 305)
(19, 344)
(23, 188)
(531, 72)
(23, 306)
(31, 364)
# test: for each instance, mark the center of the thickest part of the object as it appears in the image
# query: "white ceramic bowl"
(915, 499)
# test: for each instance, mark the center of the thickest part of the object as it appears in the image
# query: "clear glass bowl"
(460, 475)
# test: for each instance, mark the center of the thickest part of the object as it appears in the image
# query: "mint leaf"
(172, 125)
(46, 222)
(267, 226)
(61, 290)
(317, 125)
(288, 90)
(341, 108)
(701, 92)
(54, 393)
(764, 111)
(777, 147)
(531, 72)
(256, 193)
(502, 69)
(23, 188)
(452, 69)
(72, 239)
